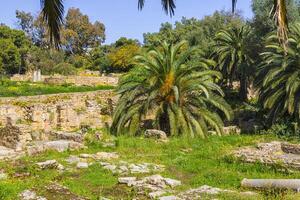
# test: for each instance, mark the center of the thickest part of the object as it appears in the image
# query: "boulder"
(156, 134)
(73, 159)
(49, 164)
(82, 165)
(59, 135)
(30, 195)
(106, 156)
(126, 180)
(3, 176)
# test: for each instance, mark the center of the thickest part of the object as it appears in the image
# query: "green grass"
(15, 89)
(195, 162)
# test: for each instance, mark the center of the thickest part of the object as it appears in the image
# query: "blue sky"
(122, 18)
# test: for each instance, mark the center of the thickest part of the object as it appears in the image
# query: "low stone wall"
(76, 80)
(59, 111)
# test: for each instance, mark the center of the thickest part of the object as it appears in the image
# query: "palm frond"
(53, 13)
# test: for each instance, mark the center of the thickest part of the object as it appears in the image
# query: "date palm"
(279, 77)
(233, 56)
(53, 11)
(181, 99)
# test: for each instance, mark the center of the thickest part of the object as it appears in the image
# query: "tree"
(279, 77)
(122, 58)
(14, 46)
(79, 34)
(199, 33)
(53, 12)
(233, 56)
(25, 22)
(263, 22)
(182, 99)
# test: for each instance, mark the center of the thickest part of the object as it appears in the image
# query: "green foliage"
(13, 89)
(279, 77)
(79, 34)
(183, 99)
(122, 58)
(64, 69)
(198, 33)
(44, 59)
(285, 129)
(13, 45)
(233, 56)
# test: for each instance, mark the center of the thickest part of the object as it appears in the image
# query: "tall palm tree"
(279, 77)
(232, 52)
(181, 99)
(53, 11)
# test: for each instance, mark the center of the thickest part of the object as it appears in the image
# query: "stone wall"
(76, 80)
(59, 111)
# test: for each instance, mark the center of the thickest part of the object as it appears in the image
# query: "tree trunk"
(164, 122)
(243, 87)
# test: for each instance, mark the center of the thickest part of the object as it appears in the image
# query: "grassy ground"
(195, 162)
(14, 89)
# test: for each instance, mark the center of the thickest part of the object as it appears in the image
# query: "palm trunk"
(164, 122)
(243, 87)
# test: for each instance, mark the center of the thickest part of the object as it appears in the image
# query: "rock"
(154, 195)
(10, 136)
(49, 164)
(271, 153)
(86, 155)
(127, 168)
(156, 185)
(168, 198)
(82, 165)
(76, 137)
(3, 176)
(73, 159)
(156, 134)
(60, 167)
(126, 180)
(106, 156)
(110, 167)
(108, 144)
(231, 130)
(63, 145)
(172, 183)
(138, 169)
(7, 153)
(30, 195)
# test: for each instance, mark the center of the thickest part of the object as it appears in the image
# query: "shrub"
(64, 69)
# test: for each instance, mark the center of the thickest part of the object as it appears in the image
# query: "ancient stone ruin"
(274, 153)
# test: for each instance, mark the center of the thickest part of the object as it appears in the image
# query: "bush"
(285, 129)
(64, 69)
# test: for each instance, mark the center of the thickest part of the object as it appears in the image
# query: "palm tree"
(279, 77)
(53, 11)
(181, 99)
(232, 52)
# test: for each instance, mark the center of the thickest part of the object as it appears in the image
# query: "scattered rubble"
(30, 195)
(285, 154)
(156, 185)
(9, 154)
(61, 135)
(59, 145)
(202, 192)
(129, 168)
(50, 164)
